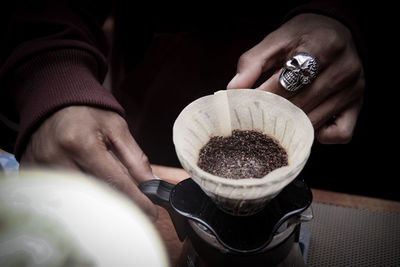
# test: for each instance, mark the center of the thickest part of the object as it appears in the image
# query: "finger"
(263, 57)
(342, 128)
(331, 108)
(326, 111)
(124, 146)
(344, 73)
(273, 85)
(299, 97)
(341, 76)
(102, 164)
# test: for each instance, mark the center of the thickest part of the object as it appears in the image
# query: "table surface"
(175, 175)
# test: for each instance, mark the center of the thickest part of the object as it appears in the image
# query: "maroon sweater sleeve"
(54, 57)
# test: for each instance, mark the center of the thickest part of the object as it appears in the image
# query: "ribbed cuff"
(51, 81)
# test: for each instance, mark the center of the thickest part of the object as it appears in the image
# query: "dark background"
(368, 164)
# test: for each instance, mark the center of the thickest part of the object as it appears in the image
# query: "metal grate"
(352, 237)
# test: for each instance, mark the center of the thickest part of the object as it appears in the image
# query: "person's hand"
(97, 142)
(334, 99)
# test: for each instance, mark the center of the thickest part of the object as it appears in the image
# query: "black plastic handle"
(159, 192)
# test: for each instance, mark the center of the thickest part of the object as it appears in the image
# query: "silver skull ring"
(298, 71)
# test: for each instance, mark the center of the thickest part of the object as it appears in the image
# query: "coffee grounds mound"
(244, 154)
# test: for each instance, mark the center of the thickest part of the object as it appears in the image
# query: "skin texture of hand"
(334, 99)
(96, 142)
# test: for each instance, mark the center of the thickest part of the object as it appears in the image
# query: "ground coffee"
(244, 154)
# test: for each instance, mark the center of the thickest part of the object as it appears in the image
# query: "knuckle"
(361, 86)
(335, 41)
(75, 141)
(138, 163)
(355, 92)
(120, 122)
(139, 168)
(68, 140)
(355, 69)
(244, 58)
(118, 184)
(336, 44)
(247, 57)
(115, 126)
(144, 159)
(359, 89)
(343, 135)
(316, 122)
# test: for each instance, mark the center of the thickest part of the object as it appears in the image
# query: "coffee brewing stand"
(213, 237)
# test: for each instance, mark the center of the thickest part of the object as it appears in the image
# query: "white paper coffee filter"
(243, 109)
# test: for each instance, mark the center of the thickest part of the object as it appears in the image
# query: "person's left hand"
(334, 99)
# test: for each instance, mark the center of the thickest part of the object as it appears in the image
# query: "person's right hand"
(97, 142)
(334, 100)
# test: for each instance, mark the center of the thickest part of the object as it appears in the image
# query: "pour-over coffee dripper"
(215, 202)
(243, 109)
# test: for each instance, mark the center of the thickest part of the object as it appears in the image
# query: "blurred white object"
(52, 218)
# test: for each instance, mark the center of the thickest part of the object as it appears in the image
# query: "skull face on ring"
(299, 70)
